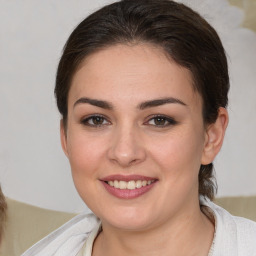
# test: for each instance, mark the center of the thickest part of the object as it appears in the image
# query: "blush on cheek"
(83, 163)
(181, 155)
(88, 148)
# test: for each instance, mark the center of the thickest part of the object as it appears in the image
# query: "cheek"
(85, 153)
(179, 153)
(86, 157)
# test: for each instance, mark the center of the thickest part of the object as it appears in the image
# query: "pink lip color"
(127, 193)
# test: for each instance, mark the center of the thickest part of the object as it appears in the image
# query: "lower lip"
(127, 193)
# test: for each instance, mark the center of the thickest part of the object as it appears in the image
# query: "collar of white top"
(87, 248)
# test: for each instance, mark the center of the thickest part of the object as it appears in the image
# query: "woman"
(142, 89)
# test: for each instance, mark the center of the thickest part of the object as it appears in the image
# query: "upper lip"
(126, 177)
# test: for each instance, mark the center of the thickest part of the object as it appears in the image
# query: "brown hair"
(3, 207)
(182, 33)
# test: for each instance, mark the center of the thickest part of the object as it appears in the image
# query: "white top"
(234, 236)
(87, 248)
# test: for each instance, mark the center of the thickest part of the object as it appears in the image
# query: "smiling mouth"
(131, 185)
(128, 186)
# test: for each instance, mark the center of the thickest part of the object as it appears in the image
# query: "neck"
(186, 234)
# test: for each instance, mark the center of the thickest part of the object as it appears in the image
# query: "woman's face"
(135, 137)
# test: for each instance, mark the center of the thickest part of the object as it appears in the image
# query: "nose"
(126, 147)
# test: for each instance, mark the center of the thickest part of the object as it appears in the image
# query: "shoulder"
(233, 235)
(236, 224)
(69, 238)
(246, 234)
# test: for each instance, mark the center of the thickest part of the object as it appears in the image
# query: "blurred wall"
(33, 168)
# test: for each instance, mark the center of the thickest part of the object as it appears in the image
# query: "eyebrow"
(98, 103)
(159, 102)
(147, 104)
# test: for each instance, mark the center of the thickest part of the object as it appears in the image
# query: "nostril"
(126, 151)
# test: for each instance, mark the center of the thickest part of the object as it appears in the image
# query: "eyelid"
(84, 120)
(170, 120)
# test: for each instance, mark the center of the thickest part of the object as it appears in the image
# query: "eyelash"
(170, 121)
(167, 121)
(93, 118)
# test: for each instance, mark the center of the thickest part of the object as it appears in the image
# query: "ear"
(63, 137)
(214, 137)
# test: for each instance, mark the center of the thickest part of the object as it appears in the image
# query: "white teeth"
(138, 184)
(130, 184)
(122, 184)
(116, 184)
(144, 183)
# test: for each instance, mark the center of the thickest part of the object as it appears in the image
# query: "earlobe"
(63, 137)
(214, 137)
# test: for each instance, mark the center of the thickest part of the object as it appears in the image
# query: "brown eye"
(95, 120)
(161, 121)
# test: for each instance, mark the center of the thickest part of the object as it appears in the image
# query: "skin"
(166, 220)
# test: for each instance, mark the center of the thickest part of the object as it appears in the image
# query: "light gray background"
(33, 168)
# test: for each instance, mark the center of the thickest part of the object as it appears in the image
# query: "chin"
(128, 219)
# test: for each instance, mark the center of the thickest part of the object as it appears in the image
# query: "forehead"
(137, 71)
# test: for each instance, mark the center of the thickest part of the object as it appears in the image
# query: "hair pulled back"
(182, 33)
